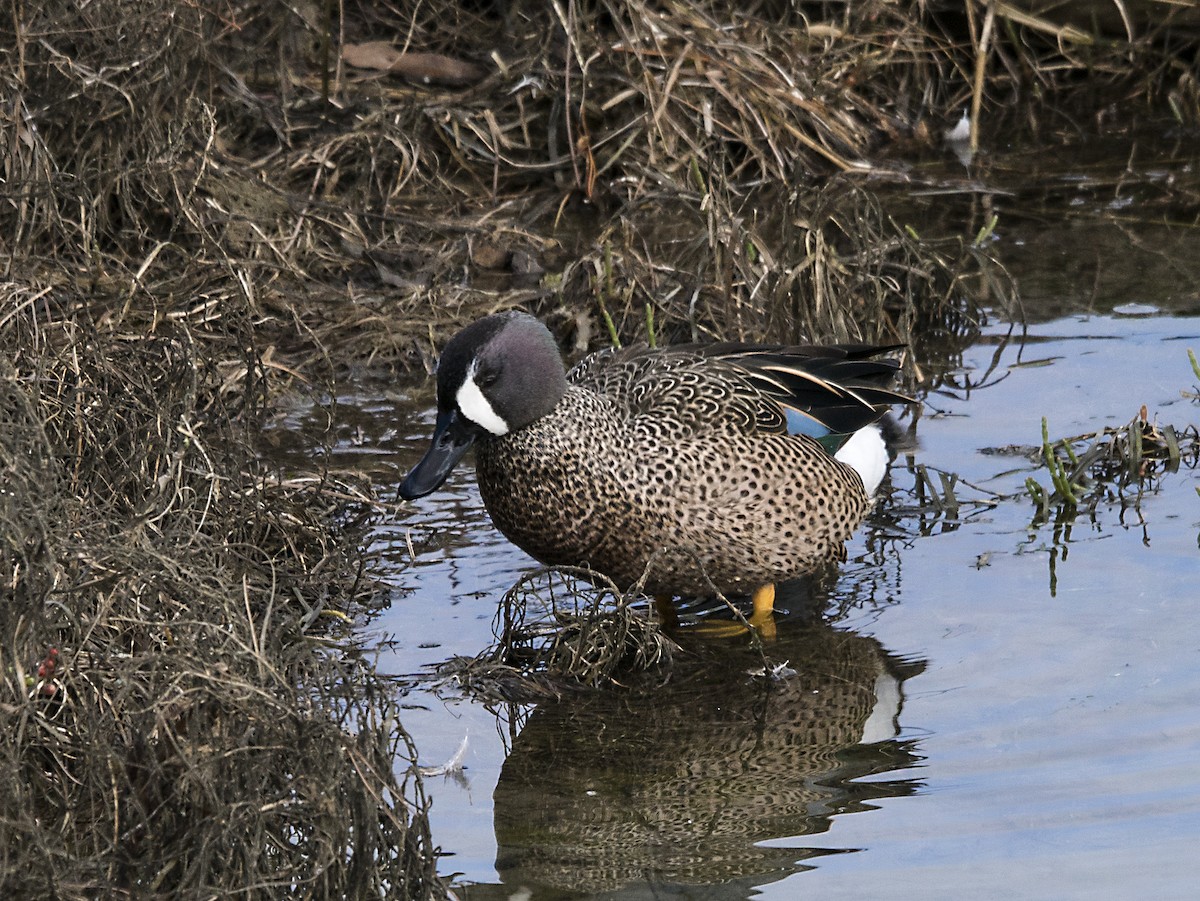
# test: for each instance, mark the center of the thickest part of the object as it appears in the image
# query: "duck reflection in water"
(682, 784)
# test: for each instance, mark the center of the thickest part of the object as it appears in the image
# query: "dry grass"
(375, 213)
(183, 711)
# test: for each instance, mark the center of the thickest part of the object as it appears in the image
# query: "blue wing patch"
(799, 423)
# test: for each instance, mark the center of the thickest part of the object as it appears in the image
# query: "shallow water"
(999, 709)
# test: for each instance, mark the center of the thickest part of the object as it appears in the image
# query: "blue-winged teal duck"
(724, 466)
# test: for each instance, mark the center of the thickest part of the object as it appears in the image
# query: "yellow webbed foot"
(761, 618)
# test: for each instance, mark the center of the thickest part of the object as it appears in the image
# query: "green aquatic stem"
(1174, 454)
(606, 291)
(988, 229)
(1038, 493)
(1062, 484)
(1135, 446)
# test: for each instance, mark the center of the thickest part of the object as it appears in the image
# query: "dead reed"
(561, 630)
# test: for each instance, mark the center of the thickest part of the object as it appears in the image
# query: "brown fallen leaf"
(425, 68)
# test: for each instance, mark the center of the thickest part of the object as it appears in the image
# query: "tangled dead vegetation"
(371, 176)
(1114, 467)
(183, 712)
(561, 630)
(826, 261)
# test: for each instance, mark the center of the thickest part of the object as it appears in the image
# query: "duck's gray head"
(495, 376)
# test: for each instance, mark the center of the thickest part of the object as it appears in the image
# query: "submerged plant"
(1113, 464)
(559, 630)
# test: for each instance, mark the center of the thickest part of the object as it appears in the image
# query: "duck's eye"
(487, 379)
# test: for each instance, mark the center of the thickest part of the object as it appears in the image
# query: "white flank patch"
(867, 455)
(473, 405)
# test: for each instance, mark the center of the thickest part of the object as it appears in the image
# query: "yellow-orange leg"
(761, 619)
(764, 602)
(763, 615)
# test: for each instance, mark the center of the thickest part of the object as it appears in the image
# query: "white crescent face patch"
(473, 405)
